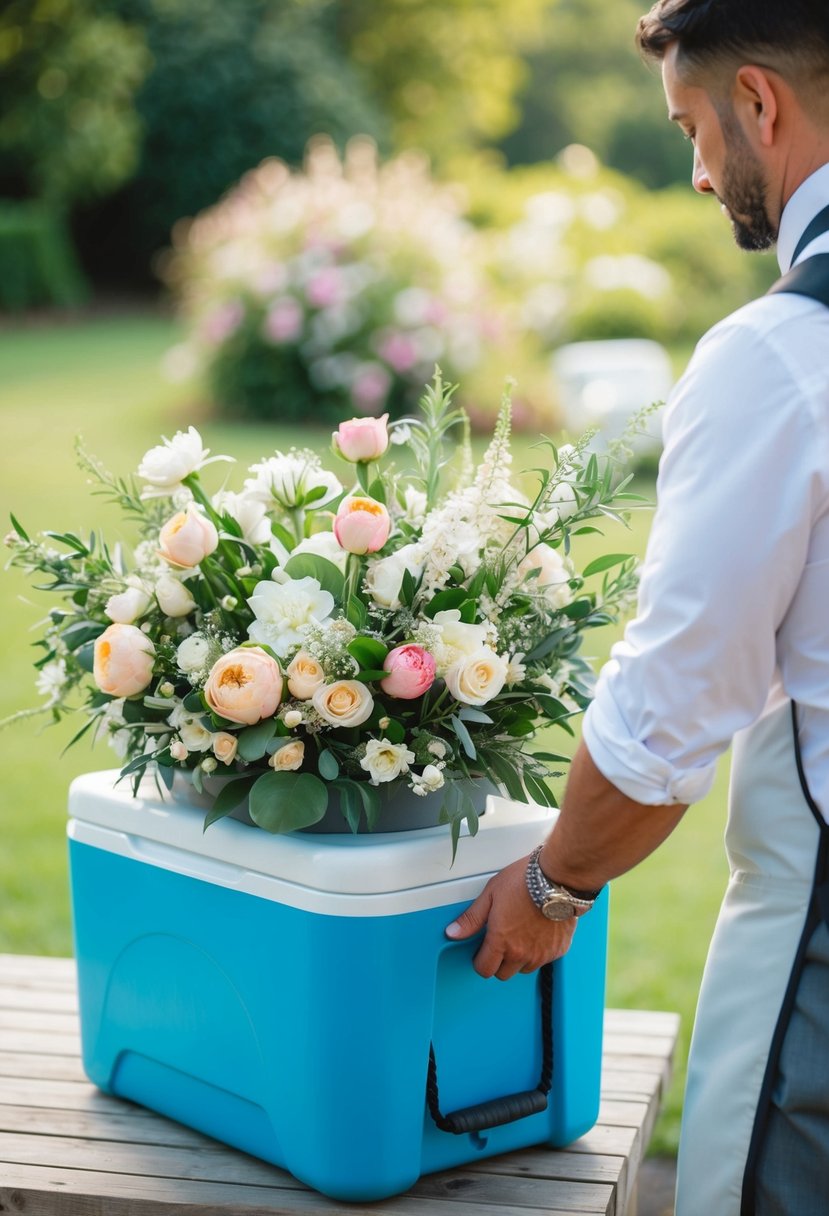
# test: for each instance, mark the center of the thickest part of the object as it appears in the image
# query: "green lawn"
(102, 378)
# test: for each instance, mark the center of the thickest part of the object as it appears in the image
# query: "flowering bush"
(304, 639)
(330, 291)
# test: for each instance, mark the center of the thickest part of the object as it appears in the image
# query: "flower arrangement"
(333, 290)
(311, 640)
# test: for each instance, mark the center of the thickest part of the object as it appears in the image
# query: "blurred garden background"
(265, 216)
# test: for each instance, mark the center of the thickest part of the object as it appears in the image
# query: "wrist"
(554, 900)
(574, 882)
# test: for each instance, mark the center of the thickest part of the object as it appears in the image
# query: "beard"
(743, 191)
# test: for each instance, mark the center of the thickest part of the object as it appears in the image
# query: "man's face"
(724, 163)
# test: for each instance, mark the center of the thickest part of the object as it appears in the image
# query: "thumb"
(472, 920)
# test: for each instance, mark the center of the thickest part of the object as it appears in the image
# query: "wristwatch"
(551, 898)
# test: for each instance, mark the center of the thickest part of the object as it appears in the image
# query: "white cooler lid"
(367, 874)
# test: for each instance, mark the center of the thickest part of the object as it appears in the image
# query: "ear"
(756, 101)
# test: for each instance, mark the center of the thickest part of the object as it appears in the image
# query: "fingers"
(472, 920)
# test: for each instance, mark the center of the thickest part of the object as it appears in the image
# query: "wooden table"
(66, 1149)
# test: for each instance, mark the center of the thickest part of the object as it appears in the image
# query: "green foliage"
(37, 263)
(445, 70)
(230, 85)
(587, 85)
(69, 70)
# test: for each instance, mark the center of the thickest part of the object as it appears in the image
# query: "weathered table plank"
(66, 1149)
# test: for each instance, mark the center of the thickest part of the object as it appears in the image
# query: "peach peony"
(123, 660)
(244, 685)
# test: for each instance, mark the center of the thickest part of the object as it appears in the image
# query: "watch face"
(558, 907)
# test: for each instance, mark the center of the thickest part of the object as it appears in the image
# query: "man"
(731, 637)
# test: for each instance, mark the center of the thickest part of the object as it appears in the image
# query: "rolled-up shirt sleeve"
(737, 491)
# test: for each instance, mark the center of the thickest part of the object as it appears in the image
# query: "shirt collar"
(809, 198)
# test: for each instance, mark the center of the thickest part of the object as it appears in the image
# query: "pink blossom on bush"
(324, 288)
(398, 350)
(411, 672)
(370, 387)
(222, 322)
(284, 320)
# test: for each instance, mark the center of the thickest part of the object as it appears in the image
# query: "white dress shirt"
(734, 599)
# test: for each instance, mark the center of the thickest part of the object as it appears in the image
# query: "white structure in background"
(602, 384)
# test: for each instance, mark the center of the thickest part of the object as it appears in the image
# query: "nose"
(699, 176)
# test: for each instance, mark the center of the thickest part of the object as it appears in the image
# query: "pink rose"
(123, 660)
(411, 672)
(244, 685)
(188, 538)
(361, 525)
(362, 439)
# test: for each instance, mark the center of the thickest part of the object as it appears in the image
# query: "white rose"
(250, 514)
(564, 503)
(194, 736)
(457, 639)
(414, 506)
(173, 597)
(166, 466)
(289, 477)
(193, 654)
(552, 577)
(284, 610)
(385, 575)
(289, 757)
(324, 544)
(344, 703)
(384, 761)
(128, 605)
(476, 678)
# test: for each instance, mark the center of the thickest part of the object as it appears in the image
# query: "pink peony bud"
(361, 525)
(411, 672)
(362, 439)
(123, 660)
(188, 538)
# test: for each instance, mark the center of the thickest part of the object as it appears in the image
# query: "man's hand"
(518, 935)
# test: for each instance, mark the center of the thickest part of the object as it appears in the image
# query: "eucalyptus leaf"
(253, 740)
(469, 714)
(464, 736)
(228, 799)
(311, 565)
(328, 765)
(285, 802)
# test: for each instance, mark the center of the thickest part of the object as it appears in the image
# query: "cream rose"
(289, 757)
(457, 639)
(123, 660)
(305, 676)
(244, 685)
(129, 604)
(344, 703)
(173, 597)
(552, 575)
(193, 653)
(224, 746)
(194, 736)
(476, 678)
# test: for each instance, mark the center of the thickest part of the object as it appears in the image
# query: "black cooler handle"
(498, 1111)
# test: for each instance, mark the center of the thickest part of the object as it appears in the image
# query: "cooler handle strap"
(498, 1111)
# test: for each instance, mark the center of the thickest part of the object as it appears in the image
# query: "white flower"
(562, 503)
(437, 748)
(50, 681)
(165, 467)
(458, 639)
(113, 722)
(545, 570)
(414, 506)
(209, 765)
(516, 669)
(288, 478)
(128, 605)
(193, 654)
(476, 678)
(194, 736)
(384, 761)
(323, 544)
(292, 718)
(385, 575)
(284, 611)
(250, 514)
(174, 599)
(432, 778)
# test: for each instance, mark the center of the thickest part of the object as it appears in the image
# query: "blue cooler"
(292, 995)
